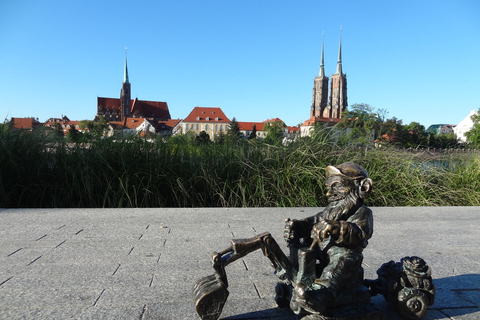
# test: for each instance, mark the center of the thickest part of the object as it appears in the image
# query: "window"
(186, 126)
(198, 127)
(216, 127)
(206, 127)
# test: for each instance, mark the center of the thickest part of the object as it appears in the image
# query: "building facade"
(323, 105)
(212, 120)
(122, 112)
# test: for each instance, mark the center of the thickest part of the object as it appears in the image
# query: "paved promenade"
(142, 263)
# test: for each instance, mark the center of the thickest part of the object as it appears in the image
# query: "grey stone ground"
(142, 263)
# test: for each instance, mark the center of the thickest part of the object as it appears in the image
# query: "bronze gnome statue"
(323, 276)
(337, 236)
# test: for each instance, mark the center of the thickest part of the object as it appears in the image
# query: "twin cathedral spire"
(322, 105)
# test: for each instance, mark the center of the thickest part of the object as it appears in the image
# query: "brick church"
(119, 111)
(325, 108)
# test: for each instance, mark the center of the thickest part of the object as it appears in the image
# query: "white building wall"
(464, 126)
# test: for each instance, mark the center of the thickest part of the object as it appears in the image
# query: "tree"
(96, 129)
(73, 135)
(473, 135)
(234, 129)
(360, 124)
(253, 134)
(275, 132)
(416, 135)
(233, 132)
(220, 138)
(203, 138)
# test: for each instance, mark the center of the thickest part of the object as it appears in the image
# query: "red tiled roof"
(108, 103)
(168, 124)
(133, 123)
(293, 129)
(147, 109)
(151, 109)
(273, 120)
(24, 123)
(248, 126)
(207, 114)
(313, 120)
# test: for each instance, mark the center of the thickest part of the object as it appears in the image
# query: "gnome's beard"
(342, 209)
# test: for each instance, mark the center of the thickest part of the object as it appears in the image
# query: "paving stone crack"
(95, 303)
(151, 281)
(245, 264)
(14, 252)
(58, 245)
(33, 261)
(5, 281)
(116, 270)
(41, 237)
(142, 315)
(256, 289)
(79, 231)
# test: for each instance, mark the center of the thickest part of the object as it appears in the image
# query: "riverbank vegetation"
(37, 170)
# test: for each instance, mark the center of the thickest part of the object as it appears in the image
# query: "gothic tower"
(125, 94)
(338, 88)
(320, 93)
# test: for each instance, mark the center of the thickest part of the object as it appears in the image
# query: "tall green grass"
(38, 172)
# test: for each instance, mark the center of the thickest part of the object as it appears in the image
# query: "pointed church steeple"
(321, 73)
(125, 93)
(338, 87)
(339, 61)
(320, 92)
(125, 72)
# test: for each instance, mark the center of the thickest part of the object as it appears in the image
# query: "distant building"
(309, 124)
(321, 107)
(327, 109)
(212, 120)
(441, 128)
(122, 112)
(246, 128)
(464, 126)
(25, 123)
(65, 124)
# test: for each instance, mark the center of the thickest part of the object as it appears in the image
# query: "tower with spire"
(338, 88)
(125, 93)
(320, 92)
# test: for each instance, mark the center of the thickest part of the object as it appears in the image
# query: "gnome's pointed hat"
(348, 170)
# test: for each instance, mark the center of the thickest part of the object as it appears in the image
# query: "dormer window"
(198, 118)
(216, 119)
(208, 118)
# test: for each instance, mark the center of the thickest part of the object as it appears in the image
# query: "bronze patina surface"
(323, 276)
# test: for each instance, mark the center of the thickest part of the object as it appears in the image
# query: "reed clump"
(38, 171)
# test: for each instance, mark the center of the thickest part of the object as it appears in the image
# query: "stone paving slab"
(142, 263)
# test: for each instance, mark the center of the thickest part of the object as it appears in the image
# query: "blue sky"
(256, 60)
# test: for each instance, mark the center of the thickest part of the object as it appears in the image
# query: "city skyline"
(256, 61)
